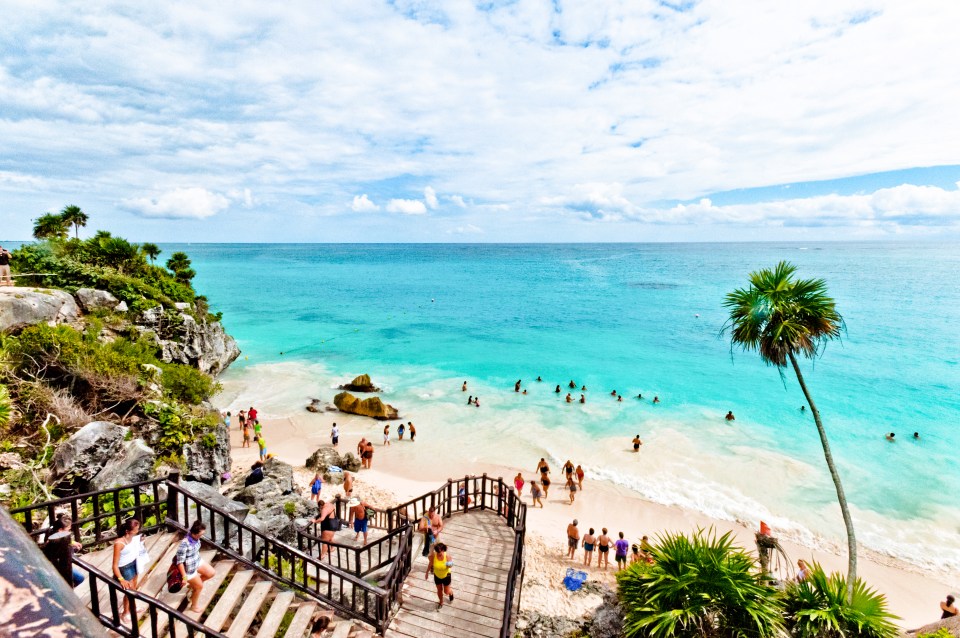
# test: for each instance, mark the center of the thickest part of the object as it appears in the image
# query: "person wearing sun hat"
(358, 508)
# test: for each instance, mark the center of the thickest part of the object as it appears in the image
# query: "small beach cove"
(450, 448)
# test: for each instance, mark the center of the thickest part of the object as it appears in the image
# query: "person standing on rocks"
(315, 486)
(335, 435)
(573, 539)
(5, 278)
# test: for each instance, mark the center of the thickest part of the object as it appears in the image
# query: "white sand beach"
(404, 470)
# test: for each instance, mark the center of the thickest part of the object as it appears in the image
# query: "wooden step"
(220, 571)
(301, 621)
(342, 629)
(251, 605)
(271, 623)
(228, 600)
(157, 579)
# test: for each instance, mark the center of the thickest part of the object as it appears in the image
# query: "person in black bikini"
(326, 514)
(637, 443)
(603, 546)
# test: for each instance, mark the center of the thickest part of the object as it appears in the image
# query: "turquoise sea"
(640, 318)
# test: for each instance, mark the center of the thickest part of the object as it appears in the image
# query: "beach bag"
(174, 578)
(574, 579)
(143, 559)
(335, 523)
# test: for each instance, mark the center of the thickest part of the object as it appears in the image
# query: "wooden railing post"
(500, 496)
(173, 500)
(483, 491)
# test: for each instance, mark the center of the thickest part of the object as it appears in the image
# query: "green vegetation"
(819, 607)
(780, 317)
(54, 380)
(702, 586)
(699, 585)
(943, 632)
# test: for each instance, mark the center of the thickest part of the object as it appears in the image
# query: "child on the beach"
(226, 420)
(315, 486)
(262, 445)
(400, 431)
(257, 428)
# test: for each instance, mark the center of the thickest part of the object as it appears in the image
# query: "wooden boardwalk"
(480, 545)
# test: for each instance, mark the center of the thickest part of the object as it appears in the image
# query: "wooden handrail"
(110, 617)
(309, 536)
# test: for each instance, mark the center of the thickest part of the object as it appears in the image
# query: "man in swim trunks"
(573, 539)
(603, 546)
(361, 446)
(413, 431)
(431, 525)
(358, 511)
(637, 443)
(730, 416)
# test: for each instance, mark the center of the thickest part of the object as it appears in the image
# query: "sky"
(489, 121)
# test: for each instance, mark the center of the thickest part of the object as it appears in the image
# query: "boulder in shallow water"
(361, 384)
(372, 407)
(316, 405)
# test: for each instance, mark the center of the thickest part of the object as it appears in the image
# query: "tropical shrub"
(6, 407)
(698, 585)
(817, 607)
(186, 384)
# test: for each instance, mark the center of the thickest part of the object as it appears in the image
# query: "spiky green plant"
(6, 406)
(818, 607)
(698, 586)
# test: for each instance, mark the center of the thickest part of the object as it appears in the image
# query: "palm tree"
(73, 216)
(152, 251)
(780, 317)
(50, 226)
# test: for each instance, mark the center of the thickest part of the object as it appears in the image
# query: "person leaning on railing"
(194, 571)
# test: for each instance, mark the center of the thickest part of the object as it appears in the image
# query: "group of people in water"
(519, 389)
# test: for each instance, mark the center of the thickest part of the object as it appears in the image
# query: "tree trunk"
(841, 497)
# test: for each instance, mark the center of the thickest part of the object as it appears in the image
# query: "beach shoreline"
(405, 470)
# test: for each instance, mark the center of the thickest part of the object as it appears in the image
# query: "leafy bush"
(818, 608)
(698, 585)
(186, 384)
(943, 632)
(6, 407)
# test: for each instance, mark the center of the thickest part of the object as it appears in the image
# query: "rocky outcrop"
(212, 496)
(133, 463)
(328, 456)
(205, 346)
(372, 407)
(91, 299)
(274, 499)
(82, 456)
(22, 307)
(360, 384)
(531, 624)
(207, 458)
(952, 625)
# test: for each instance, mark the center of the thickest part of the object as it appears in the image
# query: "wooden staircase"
(237, 601)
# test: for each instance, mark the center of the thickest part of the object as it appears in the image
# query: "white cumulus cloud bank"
(362, 204)
(407, 206)
(430, 197)
(181, 203)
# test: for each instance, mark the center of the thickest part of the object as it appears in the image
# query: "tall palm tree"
(779, 317)
(73, 216)
(152, 251)
(50, 226)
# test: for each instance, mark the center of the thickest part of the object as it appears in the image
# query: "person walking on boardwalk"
(125, 551)
(431, 525)
(589, 542)
(535, 493)
(573, 539)
(439, 562)
(603, 547)
(518, 483)
(194, 571)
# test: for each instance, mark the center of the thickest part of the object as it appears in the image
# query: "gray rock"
(133, 463)
(212, 496)
(204, 346)
(151, 316)
(121, 307)
(10, 461)
(85, 453)
(206, 463)
(316, 405)
(277, 485)
(531, 624)
(22, 307)
(91, 299)
(181, 305)
(328, 455)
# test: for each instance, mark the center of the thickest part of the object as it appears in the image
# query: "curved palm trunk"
(844, 508)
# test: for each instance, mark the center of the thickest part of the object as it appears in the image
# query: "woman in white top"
(125, 552)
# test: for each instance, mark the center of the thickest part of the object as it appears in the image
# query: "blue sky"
(503, 120)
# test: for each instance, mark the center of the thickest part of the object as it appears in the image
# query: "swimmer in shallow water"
(557, 390)
(891, 437)
(656, 399)
(572, 384)
(524, 391)
(569, 398)
(464, 388)
(539, 379)
(730, 416)
(640, 396)
(470, 400)
(613, 393)
(583, 399)
(916, 436)
(619, 398)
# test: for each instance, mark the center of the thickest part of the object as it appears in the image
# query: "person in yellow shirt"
(440, 563)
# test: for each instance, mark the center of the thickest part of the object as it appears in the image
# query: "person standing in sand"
(518, 483)
(226, 420)
(637, 443)
(572, 487)
(948, 608)
(361, 446)
(603, 547)
(589, 542)
(386, 434)
(242, 418)
(621, 547)
(368, 454)
(335, 435)
(400, 431)
(545, 482)
(262, 445)
(252, 413)
(579, 473)
(535, 493)
(568, 468)
(573, 539)
(246, 433)
(413, 431)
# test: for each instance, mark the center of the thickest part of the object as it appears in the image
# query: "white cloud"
(467, 229)
(362, 204)
(458, 201)
(196, 203)
(430, 197)
(407, 206)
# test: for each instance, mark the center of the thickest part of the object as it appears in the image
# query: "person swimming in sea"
(656, 399)
(803, 408)
(613, 393)
(557, 390)
(583, 399)
(572, 384)
(470, 400)
(476, 402)
(891, 437)
(730, 416)
(569, 398)
(916, 436)
(516, 386)
(524, 391)
(583, 388)
(539, 379)
(464, 387)
(640, 395)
